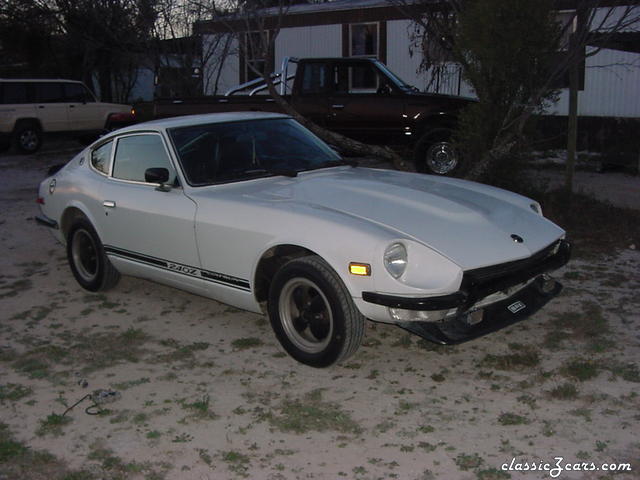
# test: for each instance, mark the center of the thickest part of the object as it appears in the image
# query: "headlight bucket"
(395, 259)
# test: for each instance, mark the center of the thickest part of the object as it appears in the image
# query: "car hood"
(469, 223)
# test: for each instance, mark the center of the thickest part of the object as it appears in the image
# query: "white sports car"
(253, 210)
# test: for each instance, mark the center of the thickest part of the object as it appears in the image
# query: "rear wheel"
(312, 313)
(89, 264)
(27, 137)
(436, 154)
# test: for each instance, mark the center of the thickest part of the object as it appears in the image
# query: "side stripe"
(213, 277)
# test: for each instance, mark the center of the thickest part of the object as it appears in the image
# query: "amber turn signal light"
(362, 269)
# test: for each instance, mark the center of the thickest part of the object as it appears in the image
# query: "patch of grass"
(566, 391)
(180, 353)
(580, 369)
(200, 409)
(523, 357)
(627, 371)
(237, 462)
(14, 392)
(509, 418)
(468, 462)
(492, 474)
(130, 383)
(404, 341)
(52, 425)
(117, 468)
(246, 343)
(14, 288)
(153, 434)
(310, 413)
(103, 350)
(19, 461)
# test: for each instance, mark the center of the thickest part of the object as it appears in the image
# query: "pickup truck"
(357, 97)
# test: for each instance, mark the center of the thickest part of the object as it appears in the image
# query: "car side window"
(13, 92)
(49, 92)
(76, 92)
(101, 157)
(136, 153)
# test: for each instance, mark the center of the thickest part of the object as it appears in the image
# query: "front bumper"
(534, 290)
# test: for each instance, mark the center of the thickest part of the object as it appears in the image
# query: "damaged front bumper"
(490, 298)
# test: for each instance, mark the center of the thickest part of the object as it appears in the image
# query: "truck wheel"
(27, 137)
(436, 154)
(89, 264)
(312, 313)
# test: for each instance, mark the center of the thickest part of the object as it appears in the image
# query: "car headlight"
(395, 259)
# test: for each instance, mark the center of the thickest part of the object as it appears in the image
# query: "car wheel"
(27, 138)
(312, 313)
(436, 154)
(89, 264)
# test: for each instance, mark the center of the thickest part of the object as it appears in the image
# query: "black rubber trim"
(443, 302)
(46, 221)
(176, 267)
(495, 317)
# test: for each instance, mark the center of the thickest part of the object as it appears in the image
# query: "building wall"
(611, 89)
(230, 71)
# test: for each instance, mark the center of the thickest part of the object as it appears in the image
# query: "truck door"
(311, 90)
(364, 103)
(51, 106)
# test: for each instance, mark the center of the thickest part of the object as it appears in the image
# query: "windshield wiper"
(272, 171)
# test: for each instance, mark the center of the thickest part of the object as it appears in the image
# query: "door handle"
(337, 107)
(40, 106)
(109, 204)
(72, 106)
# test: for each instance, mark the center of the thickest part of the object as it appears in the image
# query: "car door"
(82, 109)
(51, 107)
(150, 227)
(364, 104)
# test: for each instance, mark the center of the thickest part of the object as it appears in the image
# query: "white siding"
(230, 71)
(318, 41)
(612, 87)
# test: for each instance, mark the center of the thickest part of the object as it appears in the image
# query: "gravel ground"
(206, 393)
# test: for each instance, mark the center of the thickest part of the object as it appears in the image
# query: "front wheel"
(312, 313)
(436, 154)
(89, 264)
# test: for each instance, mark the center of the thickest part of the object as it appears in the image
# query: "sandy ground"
(206, 393)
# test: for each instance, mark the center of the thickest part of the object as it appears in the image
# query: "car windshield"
(228, 152)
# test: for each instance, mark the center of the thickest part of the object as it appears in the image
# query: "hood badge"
(517, 238)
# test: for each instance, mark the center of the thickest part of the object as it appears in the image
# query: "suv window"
(13, 92)
(76, 92)
(136, 153)
(101, 157)
(49, 92)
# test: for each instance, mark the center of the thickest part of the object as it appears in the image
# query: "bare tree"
(438, 33)
(264, 25)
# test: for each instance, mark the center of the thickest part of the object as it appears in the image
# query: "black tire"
(328, 328)
(89, 264)
(435, 153)
(4, 145)
(27, 137)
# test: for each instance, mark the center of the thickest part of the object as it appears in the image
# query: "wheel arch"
(27, 120)
(269, 263)
(72, 213)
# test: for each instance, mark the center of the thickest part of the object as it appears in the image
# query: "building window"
(364, 40)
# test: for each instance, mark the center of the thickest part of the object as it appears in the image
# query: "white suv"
(31, 108)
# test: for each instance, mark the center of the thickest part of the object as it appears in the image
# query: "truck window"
(76, 92)
(314, 79)
(49, 92)
(357, 78)
(13, 92)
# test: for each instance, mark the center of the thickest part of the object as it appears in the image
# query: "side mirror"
(158, 175)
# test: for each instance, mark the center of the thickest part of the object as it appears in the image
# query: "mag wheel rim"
(442, 158)
(306, 315)
(85, 255)
(29, 139)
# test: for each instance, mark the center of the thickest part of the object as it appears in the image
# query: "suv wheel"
(27, 137)
(436, 154)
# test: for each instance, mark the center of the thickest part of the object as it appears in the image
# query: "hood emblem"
(517, 238)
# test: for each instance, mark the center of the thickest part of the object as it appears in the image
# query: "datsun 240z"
(253, 210)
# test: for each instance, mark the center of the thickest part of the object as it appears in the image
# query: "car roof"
(203, 119)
